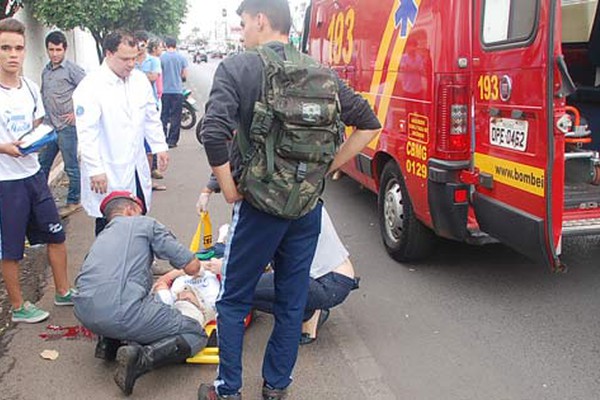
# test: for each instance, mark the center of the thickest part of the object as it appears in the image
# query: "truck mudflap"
(516, 228)
(449, 212)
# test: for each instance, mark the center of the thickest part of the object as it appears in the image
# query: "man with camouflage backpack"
(288, 112)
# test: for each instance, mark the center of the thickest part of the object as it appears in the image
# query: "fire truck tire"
(404, 236)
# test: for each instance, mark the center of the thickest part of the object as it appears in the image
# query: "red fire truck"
(489, 108)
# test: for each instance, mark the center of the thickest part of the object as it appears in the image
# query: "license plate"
(509, 133)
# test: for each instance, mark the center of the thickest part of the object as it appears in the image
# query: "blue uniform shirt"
(173, 63)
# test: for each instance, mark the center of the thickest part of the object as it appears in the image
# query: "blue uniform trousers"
(256, 239)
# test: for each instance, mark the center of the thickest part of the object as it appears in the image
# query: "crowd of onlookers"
(29, 213)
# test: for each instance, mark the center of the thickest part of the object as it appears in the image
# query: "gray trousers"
(144, 322)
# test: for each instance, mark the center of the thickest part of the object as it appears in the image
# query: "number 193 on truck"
(490, 112)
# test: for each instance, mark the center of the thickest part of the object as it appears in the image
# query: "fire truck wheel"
(404, 236)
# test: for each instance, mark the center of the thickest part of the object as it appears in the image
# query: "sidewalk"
(322, 369)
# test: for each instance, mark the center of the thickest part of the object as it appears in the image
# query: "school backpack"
(294, 136)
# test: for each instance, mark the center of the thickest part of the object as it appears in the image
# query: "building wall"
(81, 47)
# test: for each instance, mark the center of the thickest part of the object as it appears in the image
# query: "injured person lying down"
(193, 296)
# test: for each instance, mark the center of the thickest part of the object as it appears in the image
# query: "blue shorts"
(147, 147)
(27, 209)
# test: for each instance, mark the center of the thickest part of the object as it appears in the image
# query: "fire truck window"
(508, 21)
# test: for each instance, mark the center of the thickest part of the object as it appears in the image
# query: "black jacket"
(236, 87)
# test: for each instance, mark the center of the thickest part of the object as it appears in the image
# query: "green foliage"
(103, 16)
(160, 17)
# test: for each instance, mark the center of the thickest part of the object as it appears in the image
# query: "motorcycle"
(190, 108)
(200, 57)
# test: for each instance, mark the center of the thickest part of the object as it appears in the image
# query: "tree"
(103, 16)
(159, 16)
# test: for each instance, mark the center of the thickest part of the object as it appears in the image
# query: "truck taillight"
(453, 120)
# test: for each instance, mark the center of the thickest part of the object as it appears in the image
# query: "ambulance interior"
(581, 49)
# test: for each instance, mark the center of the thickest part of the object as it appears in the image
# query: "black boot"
(135, 360)
(106, 348)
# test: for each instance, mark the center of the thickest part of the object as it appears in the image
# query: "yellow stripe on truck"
(384, 47)
(520, 176)
(392, 74)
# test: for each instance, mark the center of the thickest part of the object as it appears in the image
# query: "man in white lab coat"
(115, 111)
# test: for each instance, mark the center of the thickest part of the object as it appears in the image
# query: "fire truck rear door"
(513, 125)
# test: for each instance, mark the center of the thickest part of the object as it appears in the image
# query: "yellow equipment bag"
(201, 241)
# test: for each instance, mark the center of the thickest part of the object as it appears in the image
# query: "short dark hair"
(141, 36)
(117, 205)
(56, 37)
(12, 25)
(114, 39)
(170, 42)
(277, 12)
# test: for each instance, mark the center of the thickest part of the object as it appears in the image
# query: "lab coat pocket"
(121, 176)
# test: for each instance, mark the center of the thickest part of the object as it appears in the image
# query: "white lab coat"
(113, 117)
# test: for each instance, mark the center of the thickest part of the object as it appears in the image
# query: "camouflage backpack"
(294, 136)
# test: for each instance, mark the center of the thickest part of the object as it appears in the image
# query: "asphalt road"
(468, 323)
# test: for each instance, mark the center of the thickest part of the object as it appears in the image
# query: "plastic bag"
(203, 237)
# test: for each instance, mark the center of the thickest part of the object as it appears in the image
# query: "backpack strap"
(295, 57)
(272, 63)
(241, 137)
(243, 144)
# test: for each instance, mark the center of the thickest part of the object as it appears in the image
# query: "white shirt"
(207, 285)
(16, 119)
(113, 117)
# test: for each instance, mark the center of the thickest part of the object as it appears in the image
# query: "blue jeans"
(324, 293)
(257, 238)
(67, 144)
(171, 116)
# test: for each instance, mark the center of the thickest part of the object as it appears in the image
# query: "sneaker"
(29, 313)
(66, 300)
(269, 393)
(156, 174)
(68, 209)
(208, 392)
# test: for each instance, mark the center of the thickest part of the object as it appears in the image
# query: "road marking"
(359, 358)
